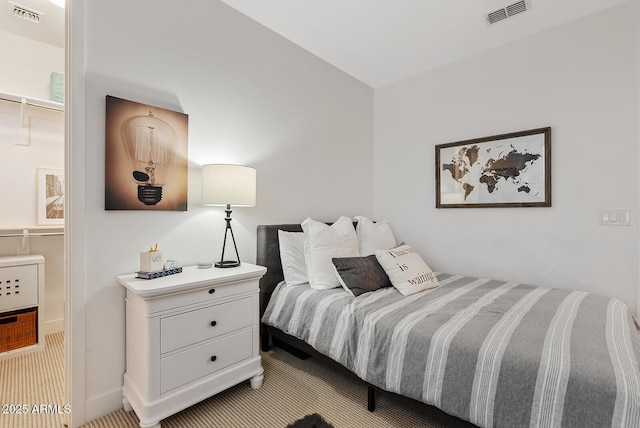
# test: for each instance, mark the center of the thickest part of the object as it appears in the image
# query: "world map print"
(510, 170)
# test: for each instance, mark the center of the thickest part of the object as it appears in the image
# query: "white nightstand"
(190, 335)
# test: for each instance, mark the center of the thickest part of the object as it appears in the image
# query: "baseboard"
(53, 326)
(21, 351)
(104, 404)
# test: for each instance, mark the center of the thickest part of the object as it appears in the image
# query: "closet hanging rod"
(36, 102)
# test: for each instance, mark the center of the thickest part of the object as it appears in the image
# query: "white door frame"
(74, 242)
(637, 216)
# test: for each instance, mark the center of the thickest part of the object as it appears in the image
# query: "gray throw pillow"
(359, 275)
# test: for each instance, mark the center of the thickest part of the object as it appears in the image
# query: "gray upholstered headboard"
(268, 255)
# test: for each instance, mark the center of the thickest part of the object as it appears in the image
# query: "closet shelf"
(37, 102)
(32, 231)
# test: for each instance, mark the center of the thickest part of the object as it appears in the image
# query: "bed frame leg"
(371, 398)
(264, 340)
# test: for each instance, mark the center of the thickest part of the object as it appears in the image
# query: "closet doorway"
(32, 140)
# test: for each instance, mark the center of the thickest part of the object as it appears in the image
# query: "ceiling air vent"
(25, 13)
(508, 11)
(496, 16)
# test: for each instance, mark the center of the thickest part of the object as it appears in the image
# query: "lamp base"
(227, 264)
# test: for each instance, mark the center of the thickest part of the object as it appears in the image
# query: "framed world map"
(507, 170)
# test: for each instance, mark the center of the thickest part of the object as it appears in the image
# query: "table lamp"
(227, 185)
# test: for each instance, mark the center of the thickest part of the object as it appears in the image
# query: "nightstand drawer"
(206, 294)
(192, 327)
(187, 366)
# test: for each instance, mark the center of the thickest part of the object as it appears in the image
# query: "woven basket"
(18, 329)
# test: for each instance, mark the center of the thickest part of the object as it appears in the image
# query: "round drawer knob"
(213, 358)
(213, 323)
(213, 290)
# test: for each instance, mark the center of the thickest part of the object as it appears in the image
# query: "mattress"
(498, 354)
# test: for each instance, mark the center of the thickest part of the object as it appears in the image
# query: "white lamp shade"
(228, 185)
(59, 3)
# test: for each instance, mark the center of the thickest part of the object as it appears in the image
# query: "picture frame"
(50, 196)
(146, 160)
(507, 170)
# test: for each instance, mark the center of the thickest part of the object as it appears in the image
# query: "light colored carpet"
(292, 389)
(34, 379)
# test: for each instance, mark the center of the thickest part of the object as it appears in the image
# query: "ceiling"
(382, 41)
(376, 41)
(49, 29)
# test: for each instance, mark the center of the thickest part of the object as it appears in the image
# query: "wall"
(40, 144)
(29, 65)
(580, 79)
(252, 98)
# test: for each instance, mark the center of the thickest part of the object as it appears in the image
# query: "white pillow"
(323, 242)
(406, 270)
(374, 236)
(294, 267)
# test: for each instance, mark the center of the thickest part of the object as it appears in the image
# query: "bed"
(494, 353)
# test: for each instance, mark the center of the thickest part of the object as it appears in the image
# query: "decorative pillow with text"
(407, 271)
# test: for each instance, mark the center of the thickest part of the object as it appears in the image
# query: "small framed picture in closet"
(50, 196)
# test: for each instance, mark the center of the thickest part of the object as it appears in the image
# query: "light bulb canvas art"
(145, 157)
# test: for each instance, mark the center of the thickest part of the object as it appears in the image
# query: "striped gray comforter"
(497, 354)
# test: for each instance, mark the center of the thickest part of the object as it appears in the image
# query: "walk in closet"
(32, 139)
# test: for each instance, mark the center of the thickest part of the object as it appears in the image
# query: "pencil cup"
(150, 261)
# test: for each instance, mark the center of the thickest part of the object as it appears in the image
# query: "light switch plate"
(615, 218)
